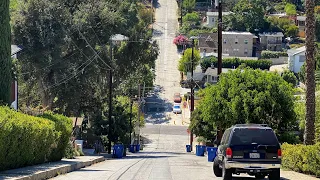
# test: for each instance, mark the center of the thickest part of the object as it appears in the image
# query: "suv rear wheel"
(226, 173)
(275, 174)
(216, 169)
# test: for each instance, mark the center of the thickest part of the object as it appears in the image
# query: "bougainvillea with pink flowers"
(180, 40)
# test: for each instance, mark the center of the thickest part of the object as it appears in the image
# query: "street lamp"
(115, 39)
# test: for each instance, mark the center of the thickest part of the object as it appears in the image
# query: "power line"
(67, 79)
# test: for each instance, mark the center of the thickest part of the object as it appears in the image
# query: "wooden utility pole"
(309, 133)
(219, 38)
(192, 90)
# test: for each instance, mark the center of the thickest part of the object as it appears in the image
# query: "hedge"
(236, 62)
(26, 140)
(63, 124)
(301, 158)
(273, 54)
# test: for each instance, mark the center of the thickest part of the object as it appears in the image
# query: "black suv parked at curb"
(248, 148)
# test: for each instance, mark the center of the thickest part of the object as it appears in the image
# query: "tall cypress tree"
(5, 52)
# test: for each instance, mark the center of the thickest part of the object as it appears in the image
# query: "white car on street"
(177, 108)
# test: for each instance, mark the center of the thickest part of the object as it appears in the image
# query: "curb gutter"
(50, 172)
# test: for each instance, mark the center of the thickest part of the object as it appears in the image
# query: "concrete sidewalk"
(52, 169)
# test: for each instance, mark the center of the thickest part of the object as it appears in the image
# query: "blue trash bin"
(137, 147)
(211, 153)
(118, 151)
(132, 148)
(188, 148)
(200, 150)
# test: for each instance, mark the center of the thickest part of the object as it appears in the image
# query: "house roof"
(216, 13)
(301, 18)
(299, 50)
(214, 71)
(278, 14)
(236, 33)
(209, 40)
(119, 37)
(280, 34)
(15, 49)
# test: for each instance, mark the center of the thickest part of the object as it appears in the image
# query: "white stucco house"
(212, 18)
(296, 58)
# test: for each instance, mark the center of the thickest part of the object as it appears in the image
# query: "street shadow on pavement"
(157, 33)
(156, 4)
(252, 178)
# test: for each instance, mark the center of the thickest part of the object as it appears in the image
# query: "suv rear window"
(247, 136)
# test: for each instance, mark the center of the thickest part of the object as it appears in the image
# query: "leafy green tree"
(290, 9)
(191, 17)
(200, 127)
(250, 96)
(291, 30)
(248, 15)
(207, 62)
(189, 5)
(290, 77)
(5, 53)
(185, 63)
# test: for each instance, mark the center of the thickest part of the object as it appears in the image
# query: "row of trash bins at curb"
(200, 150)
(120, 150)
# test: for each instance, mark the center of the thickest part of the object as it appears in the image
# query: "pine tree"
(5, 52)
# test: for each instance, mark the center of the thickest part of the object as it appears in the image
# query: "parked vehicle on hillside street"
(177, 108)
(248, 148)
(177, 98)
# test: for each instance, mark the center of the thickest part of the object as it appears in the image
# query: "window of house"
(245, 51)
(246, 41)
(224, 41)
(212, 20)
(236, 41)
(215, 50)
(302, 58)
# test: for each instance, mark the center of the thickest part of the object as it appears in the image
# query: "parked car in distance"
(177, 108)
(248, 148)
(177, 98)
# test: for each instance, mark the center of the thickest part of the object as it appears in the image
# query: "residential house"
(271, 41)
(296, 58)
(14, 86)
(212, 18)
(237, 44)
(301, 23)
(211, 74)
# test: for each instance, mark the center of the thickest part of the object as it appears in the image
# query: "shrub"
(63, 124)
(24, 140)
(301, 158)
(273, 54)
(236, 62)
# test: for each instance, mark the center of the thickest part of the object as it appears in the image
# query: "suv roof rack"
(248, 125)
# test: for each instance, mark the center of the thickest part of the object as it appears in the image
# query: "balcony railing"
(274, 42)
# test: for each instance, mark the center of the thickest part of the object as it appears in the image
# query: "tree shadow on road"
(156, 4)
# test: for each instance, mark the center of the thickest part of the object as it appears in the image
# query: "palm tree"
(5, 52)
(309, 133)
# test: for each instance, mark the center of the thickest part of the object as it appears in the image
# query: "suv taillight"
(279, 153)
(229, 153)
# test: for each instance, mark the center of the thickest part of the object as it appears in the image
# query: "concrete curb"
(53, 171)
